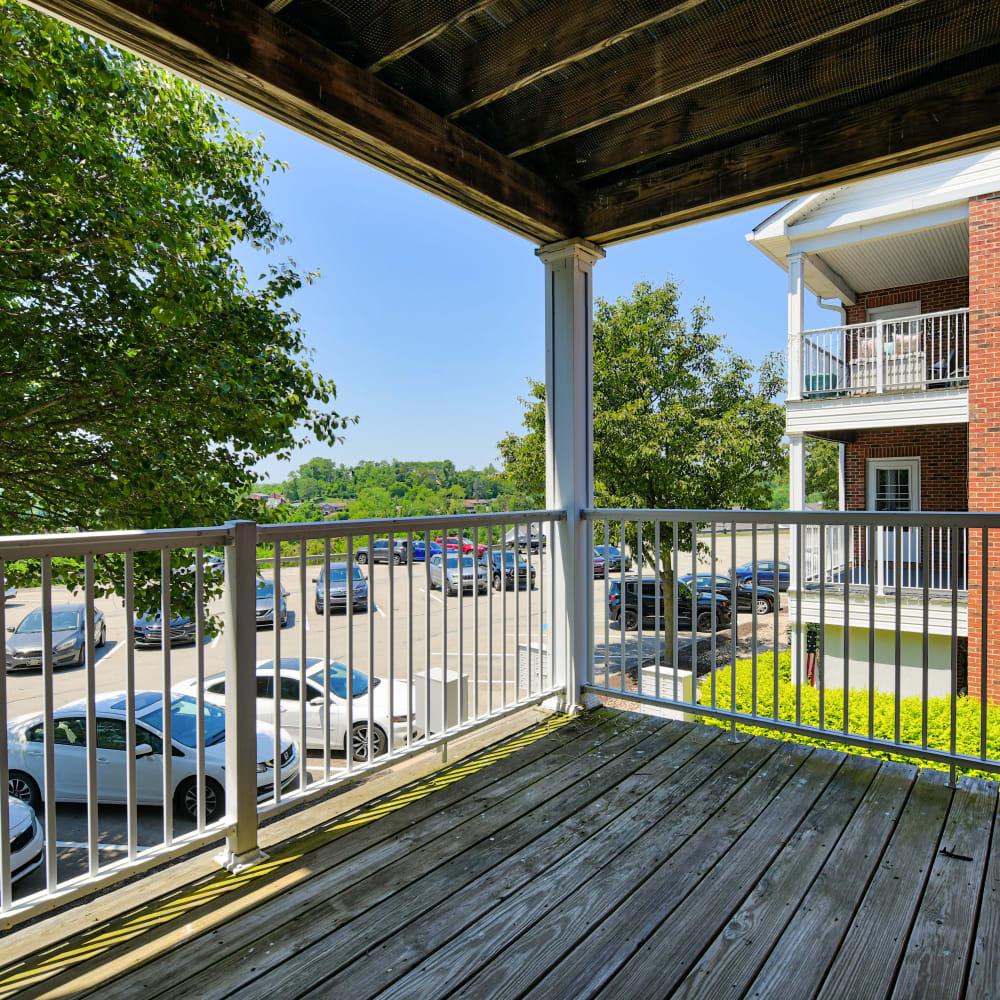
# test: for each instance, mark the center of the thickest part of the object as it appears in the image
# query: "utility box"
(446, 694)
(682, 692)
(535, 664)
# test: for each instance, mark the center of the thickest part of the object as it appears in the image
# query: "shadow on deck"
(614, 855)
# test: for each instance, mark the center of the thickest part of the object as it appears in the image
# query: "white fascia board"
(815, 241)
(911, 611)
(900, 409)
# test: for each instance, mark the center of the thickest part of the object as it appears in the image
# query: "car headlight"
(65, 644)
(399, 718)
(263, 766)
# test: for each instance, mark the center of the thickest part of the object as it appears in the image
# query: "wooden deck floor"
(616, 855)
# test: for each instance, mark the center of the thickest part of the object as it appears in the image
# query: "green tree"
(823, 472)
(680, 421)
(143, 374)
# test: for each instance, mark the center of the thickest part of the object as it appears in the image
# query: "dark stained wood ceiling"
(604, 119)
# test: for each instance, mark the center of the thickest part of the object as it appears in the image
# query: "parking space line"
(83, 845)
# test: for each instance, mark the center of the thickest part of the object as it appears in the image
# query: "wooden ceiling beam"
(689, 57)
(401, 26)
(541, 43)
(247, 54)
(932, 122)
(809, 77)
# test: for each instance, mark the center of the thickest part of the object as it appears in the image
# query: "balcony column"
(796, 322)
(796, 501)
(569, 451)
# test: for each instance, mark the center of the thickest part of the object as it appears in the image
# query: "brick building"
(907, 380)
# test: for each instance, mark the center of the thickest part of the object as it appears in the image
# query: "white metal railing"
(927, 351)
(821, 624)
(872, 555)
(373, 663)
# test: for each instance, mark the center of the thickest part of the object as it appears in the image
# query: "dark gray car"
(69, 637)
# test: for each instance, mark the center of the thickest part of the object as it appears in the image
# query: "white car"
(317, 716)
(27, 843)
(25, 756)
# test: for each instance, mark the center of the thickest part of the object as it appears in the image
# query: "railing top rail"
(401, 525)
(905, 519)
(896, 319)
(79, 543)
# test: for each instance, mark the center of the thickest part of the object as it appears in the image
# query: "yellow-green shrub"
(968, 713)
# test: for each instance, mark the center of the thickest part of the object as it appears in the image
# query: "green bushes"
(968, 713)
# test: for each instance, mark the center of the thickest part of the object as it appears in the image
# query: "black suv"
(744, 593)
(380, 552)
(503, 565)
(652, 602)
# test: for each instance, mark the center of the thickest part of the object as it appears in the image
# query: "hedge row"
(968, 713)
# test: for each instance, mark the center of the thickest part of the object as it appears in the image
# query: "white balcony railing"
(929, 351)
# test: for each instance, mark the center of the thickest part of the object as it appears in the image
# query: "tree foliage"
(680, 421)
(143, 374)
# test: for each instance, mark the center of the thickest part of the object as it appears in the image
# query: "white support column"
(796, 322)
(240, 620)
(842, 477)
(796, 501)
(569, 450)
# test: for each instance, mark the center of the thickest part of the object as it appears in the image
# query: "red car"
(455, 544)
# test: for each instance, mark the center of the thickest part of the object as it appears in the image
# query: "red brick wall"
(943, 453)
(984, 436)
(934, 296)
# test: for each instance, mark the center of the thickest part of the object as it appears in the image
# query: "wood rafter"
(931, 122)
(555, 36)
(404, 25)
(811, 78)
(247, 54)
(689, 57)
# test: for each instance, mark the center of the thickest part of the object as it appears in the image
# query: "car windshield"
(62, 620)
(184, 721)
(611, 550)
(265, 588)
(453, 562)
(338, 573)
(338, 680)
(509, 560)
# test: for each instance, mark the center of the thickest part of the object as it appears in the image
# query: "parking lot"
(409, 627)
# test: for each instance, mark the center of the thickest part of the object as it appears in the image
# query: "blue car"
(769, 574)
(419, 551)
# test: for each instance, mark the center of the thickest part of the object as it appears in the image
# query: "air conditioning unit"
(450, 700)
(535, 664)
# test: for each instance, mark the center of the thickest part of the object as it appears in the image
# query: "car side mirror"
(315, 579)
(143, 750)
(316, 701)
(10, 628)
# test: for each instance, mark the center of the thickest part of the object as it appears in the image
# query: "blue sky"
(429, 319)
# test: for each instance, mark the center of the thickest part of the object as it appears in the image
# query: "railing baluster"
(327, 660)
(49, 772)
(199, 698)
(130, 786)
(93, 861)
(326, 577)
(303, 653)
(166, 617)
(6, 894)
(349, 611)
(753, 616)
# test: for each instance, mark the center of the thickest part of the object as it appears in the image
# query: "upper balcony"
(913, 369)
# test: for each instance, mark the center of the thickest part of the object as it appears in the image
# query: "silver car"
(446, 575)
(27, 844)
(69, 637)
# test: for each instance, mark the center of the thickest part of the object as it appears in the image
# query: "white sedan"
(318, 715)
(27, 844)
(25, 737)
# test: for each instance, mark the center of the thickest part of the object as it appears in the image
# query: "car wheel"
(763, 606)
(104, 637)
(362, 558)
(186, 799)
(359, 741)
(24, 787)
(631, 620)
(497, 581)
(704, 622)
(395, 559)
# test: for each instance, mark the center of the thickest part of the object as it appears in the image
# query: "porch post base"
(235, 863)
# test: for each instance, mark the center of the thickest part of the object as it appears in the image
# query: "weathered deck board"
(308, 919)
(940, 942)
(819, 924)
(617, 856)
(866, 963)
